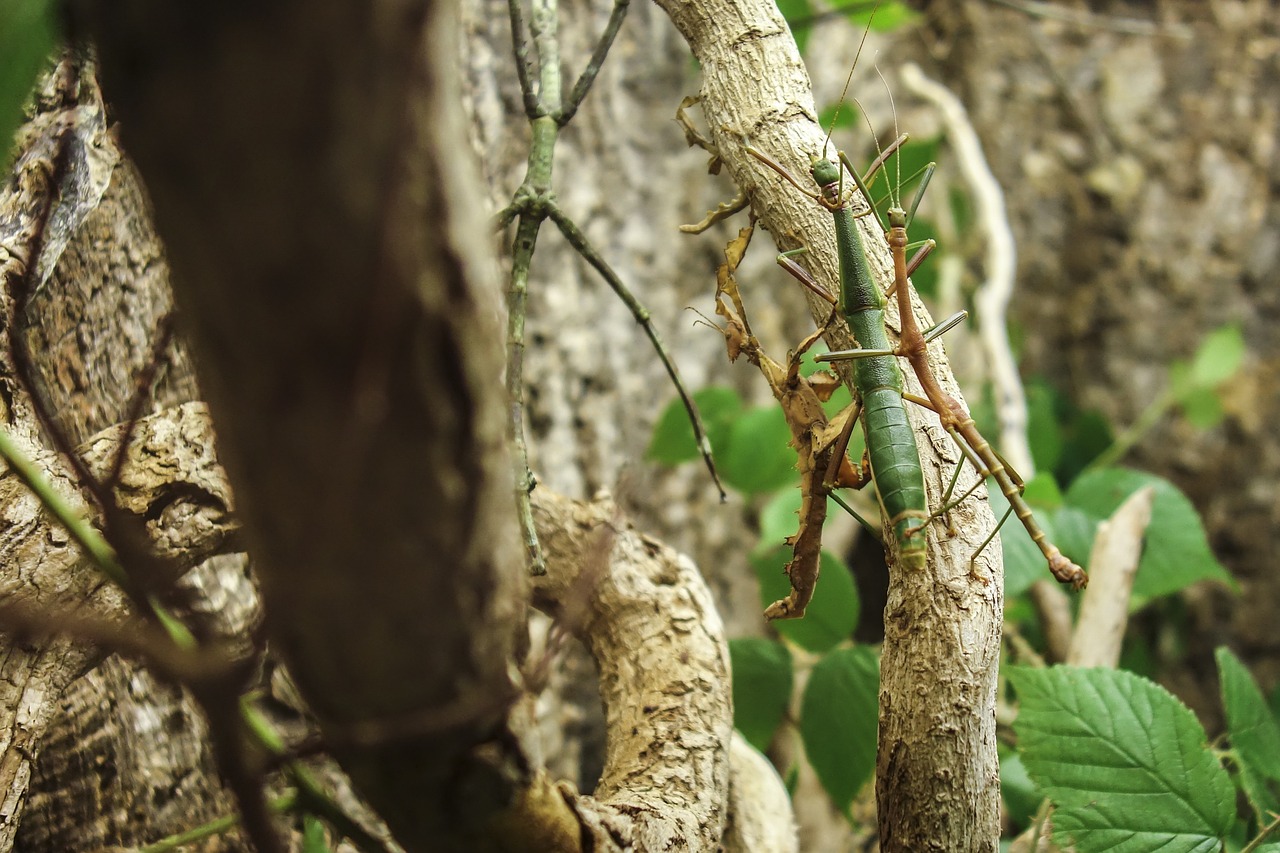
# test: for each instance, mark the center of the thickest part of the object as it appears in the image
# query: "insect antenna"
(849, 78)
(895, 186)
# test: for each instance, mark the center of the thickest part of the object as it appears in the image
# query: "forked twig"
(532, 204)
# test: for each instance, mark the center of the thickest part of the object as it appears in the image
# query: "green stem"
(1128, 439)
(1262, 836)
(70, 517)
(280, 805)
(310, 795)
(86, 536)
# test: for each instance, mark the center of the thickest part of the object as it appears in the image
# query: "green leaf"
(1023, 562)
(1219, 357)
(673, 441)
(799, 15)
(1176, 553)
(1042, 492)
(757, 455)
(761, 687)
(1126, 764)
(1073, 532)
(1020, 795)
(1087, 435)
(838, 719)
(779, 519)
(832, 614)
(1255, 737)
(889, 16)
(1202, 408)
(1181, 382)
(313, 835)
(1044, 430)
(838, 115)
(28, 33)
(961, 206)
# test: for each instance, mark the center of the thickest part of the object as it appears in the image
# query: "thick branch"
(937, 776)
(648, 618)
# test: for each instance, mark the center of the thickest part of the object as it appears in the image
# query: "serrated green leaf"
(1125, 763)
(1218, 358)
(832, 614)
(1255, 736)
(28, 34)
(757, 456)
(673, 442)
(1176, 552)
(838, 719)
(761, 687)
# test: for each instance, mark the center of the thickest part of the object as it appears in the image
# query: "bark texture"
(668, 767)
(1031, 88)
(353, 275)
(76, 248)
(397, 445)
(937, 775)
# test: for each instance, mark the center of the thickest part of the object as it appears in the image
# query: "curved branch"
(648, 619)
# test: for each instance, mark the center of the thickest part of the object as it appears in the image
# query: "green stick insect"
(892, 459)
(913, 345)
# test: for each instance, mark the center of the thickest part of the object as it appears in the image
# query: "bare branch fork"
(534, 202)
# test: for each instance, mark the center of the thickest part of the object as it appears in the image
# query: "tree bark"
(937, 776)
(76, 251)
(352, 274)
(396, 448)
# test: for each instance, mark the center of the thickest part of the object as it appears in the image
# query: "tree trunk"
(375, 366)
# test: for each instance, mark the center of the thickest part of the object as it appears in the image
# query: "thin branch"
(524, 67)
(589, 73)
(1113, 564)
(992, 298)
(584, 248)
